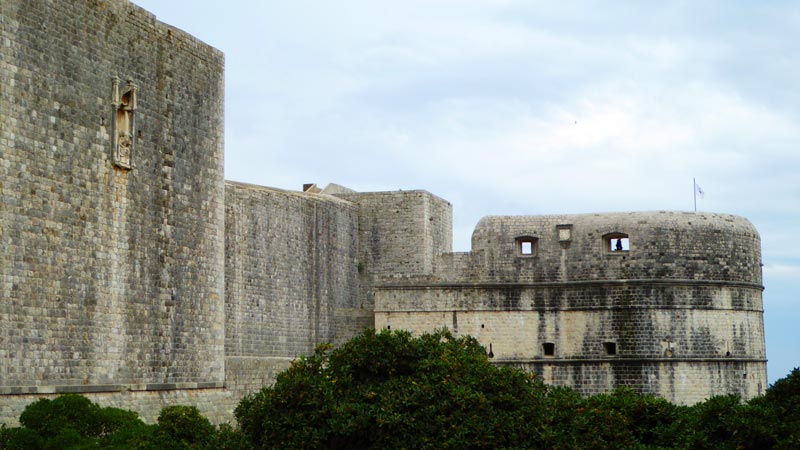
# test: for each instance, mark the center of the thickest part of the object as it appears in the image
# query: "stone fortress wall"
(110, 262)
(300, 268)
(291, 279)
(677, 312)
(131, 272)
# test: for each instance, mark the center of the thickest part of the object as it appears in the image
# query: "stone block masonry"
(110, 273)
(676, 311)
(291, 276)
(132, 273)
(401, 233)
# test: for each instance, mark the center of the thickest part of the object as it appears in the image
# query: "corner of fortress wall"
(113, 205)
(132, 273)
(401, 234)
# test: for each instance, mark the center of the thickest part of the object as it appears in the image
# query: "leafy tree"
(782, 403)
(229, 438)
(184, 427)
(74, 422)
(70, 421)
(646, 420)
(784, 394)
(77, 413)
(19, 438)
(391, 390)
(724, 422)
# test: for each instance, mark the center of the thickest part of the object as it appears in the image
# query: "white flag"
(699, 190)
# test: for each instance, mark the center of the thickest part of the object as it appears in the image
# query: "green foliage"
(724, 422)
(50, 417)
(20, 439)
(229, 438)
(785, 394)
(74, 422)
(622, 419)
(782, 400)
(69, 421)
(184, 427)
(390, 390)
(69, 438)
(643, 419)
(562, 416)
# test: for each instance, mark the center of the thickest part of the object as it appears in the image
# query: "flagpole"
(694, 191)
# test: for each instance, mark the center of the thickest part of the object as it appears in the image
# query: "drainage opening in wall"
(610, 348)
(549, 349)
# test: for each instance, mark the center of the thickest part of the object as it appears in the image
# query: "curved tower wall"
(663, 245)
(677, 312)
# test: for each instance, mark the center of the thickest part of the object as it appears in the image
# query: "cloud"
(789, 272)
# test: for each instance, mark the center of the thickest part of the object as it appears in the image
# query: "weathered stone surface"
(291, 278)
(131, 272)
(108, 275)
(401, 233)
(681, 308)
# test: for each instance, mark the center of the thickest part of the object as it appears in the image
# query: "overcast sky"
(525, 107)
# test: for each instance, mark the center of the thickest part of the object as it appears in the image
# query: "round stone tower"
(661, 302)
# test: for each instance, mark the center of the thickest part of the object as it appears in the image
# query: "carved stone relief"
(124, 123)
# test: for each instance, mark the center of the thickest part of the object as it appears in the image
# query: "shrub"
(390, 390)
(75, 412)
(724, 422)
(781, 404)
(229, 438)
(646, 419)
(20, 439)
(184, 427)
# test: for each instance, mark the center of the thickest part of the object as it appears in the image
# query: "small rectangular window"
(526, 246)
(620, 245)
(549, 349)
(610, 348)
(617, 242)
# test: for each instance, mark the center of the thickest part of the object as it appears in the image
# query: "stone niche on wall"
(123, 102)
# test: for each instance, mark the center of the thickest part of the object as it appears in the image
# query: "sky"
(521, 107)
